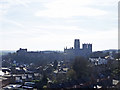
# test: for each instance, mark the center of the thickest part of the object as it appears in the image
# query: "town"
(74, 67)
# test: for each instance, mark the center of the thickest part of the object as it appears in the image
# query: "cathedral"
(85, 51)
(70, 53)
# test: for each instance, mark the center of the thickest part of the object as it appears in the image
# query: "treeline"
(43, 58)
(27, 58)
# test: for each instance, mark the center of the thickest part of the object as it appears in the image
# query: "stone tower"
(76, 44)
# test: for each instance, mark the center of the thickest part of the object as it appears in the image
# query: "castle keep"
(85, 51)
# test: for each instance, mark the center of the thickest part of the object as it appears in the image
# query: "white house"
(98, 61)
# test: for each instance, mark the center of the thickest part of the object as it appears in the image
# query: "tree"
(71, 74)
(55, 64)
(44, 80)
(81, 67)
(99, 54)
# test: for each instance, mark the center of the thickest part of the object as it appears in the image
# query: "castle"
(85, 51)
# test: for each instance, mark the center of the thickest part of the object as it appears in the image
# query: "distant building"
(98, 60)
(85, 51)
(22, 51)
(28, 56)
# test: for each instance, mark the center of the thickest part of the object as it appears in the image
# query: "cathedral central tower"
(76, 44)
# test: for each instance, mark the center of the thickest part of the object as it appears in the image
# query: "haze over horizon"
(54, 24)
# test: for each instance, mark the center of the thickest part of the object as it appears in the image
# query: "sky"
(54, 24)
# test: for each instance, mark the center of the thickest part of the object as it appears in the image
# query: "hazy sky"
(54, 24)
